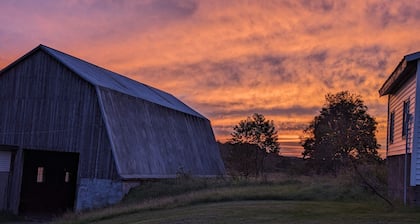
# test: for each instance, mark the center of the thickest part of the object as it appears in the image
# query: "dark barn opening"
(48, 181)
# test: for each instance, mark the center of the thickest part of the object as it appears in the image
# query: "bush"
(239, 160)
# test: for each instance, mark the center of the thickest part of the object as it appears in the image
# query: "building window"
(67, 177)
(391, 127)
(40, 177)
(406, 111)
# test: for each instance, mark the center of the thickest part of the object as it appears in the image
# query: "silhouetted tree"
(342, 133)
(258, 131)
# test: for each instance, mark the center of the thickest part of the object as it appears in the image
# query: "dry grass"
(178, 193)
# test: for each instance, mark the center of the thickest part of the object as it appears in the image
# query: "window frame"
(406, 112)
(391, 127)
(40, 175)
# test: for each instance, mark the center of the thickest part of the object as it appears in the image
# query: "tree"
(341, 134)
(258, 131)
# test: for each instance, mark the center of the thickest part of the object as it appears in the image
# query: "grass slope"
(294, 200)
(271, 212)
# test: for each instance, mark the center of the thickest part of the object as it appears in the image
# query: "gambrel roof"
(151, 133)
(98, 76)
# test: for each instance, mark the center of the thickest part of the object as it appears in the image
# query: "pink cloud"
(228, 58)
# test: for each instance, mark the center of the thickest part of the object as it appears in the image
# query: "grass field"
(271, 212)
(282, 200)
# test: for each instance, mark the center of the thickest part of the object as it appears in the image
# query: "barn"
(75, 136)
(403, 136)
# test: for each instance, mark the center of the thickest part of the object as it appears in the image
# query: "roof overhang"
(405, 69)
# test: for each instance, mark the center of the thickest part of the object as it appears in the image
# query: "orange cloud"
(228, 59)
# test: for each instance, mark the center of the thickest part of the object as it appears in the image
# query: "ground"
(280, 199)
(270, 212)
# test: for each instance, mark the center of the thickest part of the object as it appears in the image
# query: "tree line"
(343, 135)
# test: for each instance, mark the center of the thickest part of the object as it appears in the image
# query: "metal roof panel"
(102, 77)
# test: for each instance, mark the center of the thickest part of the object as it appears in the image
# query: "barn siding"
(5, 158)
(396, 101)
(16, 181)
(51, 101)
(45, 106)
(6, 171)
(152, 141)
(4, 190)
(51, 108)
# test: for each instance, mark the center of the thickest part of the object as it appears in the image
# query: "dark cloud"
(316, 29)
(328, 82)
(282, 127)
(322, 6)
(356, 79)
(129, 16)
(103, 5)
(385, 13)
(144, 10)
(224, 109)
(228, 59)
(251, 71)
(318, 56)
(355, 68)
(292, 126)
(102, 20)
(173, 8)
(271, 60)
(370, 57)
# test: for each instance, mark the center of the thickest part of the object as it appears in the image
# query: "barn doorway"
(48, 181)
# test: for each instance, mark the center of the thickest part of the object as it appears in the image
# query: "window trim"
(391, 127)
(406, 111)
(40, 175)
(66, 177)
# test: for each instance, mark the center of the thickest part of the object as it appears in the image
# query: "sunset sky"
(229, 59)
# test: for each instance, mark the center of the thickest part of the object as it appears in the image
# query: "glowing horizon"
(229, 59)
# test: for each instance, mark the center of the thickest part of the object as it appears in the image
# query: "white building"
(403, 135)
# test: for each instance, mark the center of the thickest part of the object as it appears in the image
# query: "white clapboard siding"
(5, 157)
(415, 156)
(396, 102)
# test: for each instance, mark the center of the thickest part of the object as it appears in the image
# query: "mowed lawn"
(272, 212)
(283, 200)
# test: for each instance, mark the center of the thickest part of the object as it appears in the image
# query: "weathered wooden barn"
(403, 141)
(74, 136)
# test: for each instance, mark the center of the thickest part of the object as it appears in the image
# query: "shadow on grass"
(181, 192)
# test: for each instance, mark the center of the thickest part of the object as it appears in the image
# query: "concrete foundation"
(97, 193)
